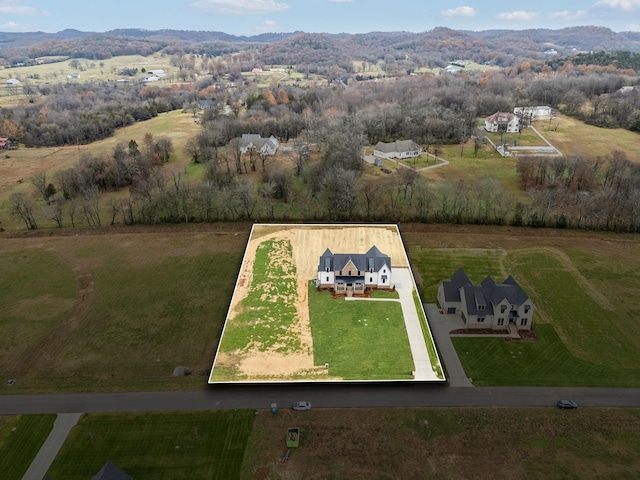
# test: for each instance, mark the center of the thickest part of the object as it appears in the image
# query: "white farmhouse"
(502, 122)
(354, 273)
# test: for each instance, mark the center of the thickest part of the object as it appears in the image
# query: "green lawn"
(547, 362)
(593, 331)
(359, 340)
(427, 335)
(526, 138)
(157, 445)
(20, 440)
(438, 264)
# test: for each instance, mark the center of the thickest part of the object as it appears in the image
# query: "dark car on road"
(567, 404)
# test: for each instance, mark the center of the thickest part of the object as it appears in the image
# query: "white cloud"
(16, 7)
(459, 12)
(569, 15)
(240, 7)
(267, 27)
(626, 5)
(520, 15)
(9, 25)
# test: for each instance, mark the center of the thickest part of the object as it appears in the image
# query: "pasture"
(157, 445)
(114, 312)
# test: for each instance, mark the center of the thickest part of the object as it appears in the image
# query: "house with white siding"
(502, 122)
(400, 149)
(354, 273)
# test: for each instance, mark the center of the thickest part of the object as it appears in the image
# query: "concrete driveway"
(441, 325)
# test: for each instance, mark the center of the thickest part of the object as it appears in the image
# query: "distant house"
(13, 81)
(111, 471)
(6, 144)
(266, 146)
(256, 70)
(490, 305)
(540, 112)
(152, 78)
(502, 122)
(157, 73)
(73, 75)
(400, 149)
(354, 273)
(628, 89)
(206, 104)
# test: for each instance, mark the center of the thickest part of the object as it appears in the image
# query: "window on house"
(327, 270)
(370, 279)
(527, 308)
(481, 307)
(384, 279)
(523, 322)
(480, 319)
(503, 308)
(501, 321)
(349, 272)
(327, 279)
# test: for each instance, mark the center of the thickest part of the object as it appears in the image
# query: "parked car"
(567, 404)
(301, 406)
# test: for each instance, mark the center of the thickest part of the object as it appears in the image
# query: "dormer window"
(481, 307)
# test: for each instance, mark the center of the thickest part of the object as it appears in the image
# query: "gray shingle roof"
(488, 293)
(399, 146)
(374, 258)
(110, 471)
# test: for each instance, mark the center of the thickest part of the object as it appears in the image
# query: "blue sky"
(250, 17)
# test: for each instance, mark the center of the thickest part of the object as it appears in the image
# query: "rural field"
(482, 443)
(114, 310)
(279, 328)
(118, 312)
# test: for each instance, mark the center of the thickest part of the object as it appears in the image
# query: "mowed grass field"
(583, 286)
(157, 445)
(21, 437)
(360, 340)
(359, 443)
(102, 312)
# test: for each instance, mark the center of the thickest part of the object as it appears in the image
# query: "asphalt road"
(321, 396)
